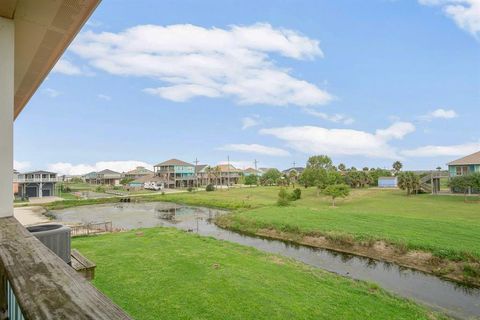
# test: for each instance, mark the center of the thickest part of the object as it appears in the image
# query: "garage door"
(31, 192)
(46, 192)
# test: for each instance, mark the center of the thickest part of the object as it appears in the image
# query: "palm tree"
(397, 166)
(292, 176)
(217, 172)
(208, 170)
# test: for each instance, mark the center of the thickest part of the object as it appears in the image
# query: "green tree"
(342, 167)
(126, 181)
(309, 177)
(327, 178)
(337, 191)
(251, 180)
(409, 181)
(397, 166)
(319, 162)
(270, 177)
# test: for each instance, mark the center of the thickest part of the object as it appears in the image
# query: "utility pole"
(196, 177)
(294, 163)
(255, 162)
(228, 172)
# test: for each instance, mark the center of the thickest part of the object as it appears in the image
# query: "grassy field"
(169, 274)
(444, 225)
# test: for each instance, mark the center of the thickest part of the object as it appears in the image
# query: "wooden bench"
(82, 265)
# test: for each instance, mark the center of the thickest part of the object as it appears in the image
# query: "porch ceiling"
(43, 30)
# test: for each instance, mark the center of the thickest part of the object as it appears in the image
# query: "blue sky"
(366, 82)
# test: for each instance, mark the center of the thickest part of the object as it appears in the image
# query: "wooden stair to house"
(431, 182)
(425, 183)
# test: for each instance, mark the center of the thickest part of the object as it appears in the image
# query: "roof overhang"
(43, 30)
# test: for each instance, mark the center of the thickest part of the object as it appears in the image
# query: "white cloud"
(21, 165)
(52, 93)
(104, 97)
(444, 114)
(318, 140)
(80, 169)
(436, 151)
(248, 122)
(465, 13)
(255, 148)
(438, 114)
(66, 67)
(337, 118)
(396, 131)
(192, 61)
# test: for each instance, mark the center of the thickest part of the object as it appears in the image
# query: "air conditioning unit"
(56, 237)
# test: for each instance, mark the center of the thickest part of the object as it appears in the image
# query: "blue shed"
(387, 182)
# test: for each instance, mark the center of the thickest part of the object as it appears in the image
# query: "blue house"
(465, 165)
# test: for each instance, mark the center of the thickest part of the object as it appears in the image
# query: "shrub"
(189, 189)
(296, 194)
(210, 187)
(283, 198)
(100, 189)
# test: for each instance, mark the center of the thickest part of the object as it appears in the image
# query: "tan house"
(107, 176)
(137, 173)
(228, 175)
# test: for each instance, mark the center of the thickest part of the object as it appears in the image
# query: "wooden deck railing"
(91, 228)
(41, 285)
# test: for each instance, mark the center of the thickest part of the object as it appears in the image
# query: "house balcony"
(37, 180)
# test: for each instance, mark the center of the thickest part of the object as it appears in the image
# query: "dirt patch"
(380, 250)
(276, 260)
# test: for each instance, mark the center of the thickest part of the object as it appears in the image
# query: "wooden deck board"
(45, 286)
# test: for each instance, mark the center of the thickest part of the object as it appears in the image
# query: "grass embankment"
(169, 274)
(444, 226)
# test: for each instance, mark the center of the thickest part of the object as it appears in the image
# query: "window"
(461, 170)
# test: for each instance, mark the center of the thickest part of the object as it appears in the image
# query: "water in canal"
(453, 299)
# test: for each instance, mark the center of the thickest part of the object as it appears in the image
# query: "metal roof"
(139, 171)
(473, 158)
(200, 167)
(108, 171)
(174, 162)
(298, 169)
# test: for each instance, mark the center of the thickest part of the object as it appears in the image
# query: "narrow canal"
(451, 298)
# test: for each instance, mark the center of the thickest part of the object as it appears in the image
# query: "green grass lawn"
(169, 274)
(444, 225)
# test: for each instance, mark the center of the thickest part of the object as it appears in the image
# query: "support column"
(7, 43)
